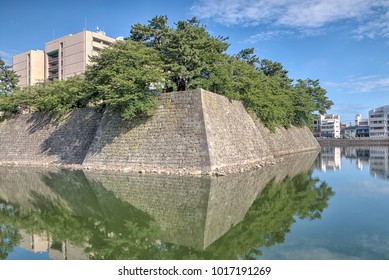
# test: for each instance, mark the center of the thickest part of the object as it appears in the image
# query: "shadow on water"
(73, 215)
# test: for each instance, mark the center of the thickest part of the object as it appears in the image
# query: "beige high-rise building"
(30, 67)
(69, 55)
(63, 57)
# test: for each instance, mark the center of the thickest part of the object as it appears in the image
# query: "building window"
(53, 65)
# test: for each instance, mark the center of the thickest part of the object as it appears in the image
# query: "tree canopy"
(158, 57)
(8, 79)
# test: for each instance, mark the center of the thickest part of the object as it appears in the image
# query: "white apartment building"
(327, 125)
(63, 57)
(379, 123)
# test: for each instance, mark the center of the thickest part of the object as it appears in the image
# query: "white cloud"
(361, 84)
(371, 16)
(268, 35)
(377, 27)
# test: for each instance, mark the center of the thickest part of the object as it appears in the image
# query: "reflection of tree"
(84, 214)
(271, 216)
(9, 236)
(91, 217)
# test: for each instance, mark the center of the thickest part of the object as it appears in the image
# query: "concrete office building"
(30, 67)
(327, 125)
(379, 123)
(63, 57)
(69, 55)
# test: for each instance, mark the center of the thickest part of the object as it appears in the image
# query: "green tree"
(125, 77)
(159, 58)
(188, 50)
(318, 94)
(275, 69)
(8, 79)
(60, 96)
(303, 106)
(154, 34)
(248, 56)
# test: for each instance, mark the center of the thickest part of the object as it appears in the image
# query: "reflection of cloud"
(339, 245)
(374, 187)
(361, 84)
(298, 253)
(370, 17)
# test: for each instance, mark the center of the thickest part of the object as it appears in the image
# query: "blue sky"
(344, 44)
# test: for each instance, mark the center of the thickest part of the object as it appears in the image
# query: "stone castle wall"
(172, 139)
(39, 138)
(193, 132)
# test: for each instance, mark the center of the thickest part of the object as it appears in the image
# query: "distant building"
(362, 131)
(379, 123)
(30, 67)
(350, 132)
(63, 57)
(327, 125)
(69, 55)
(360, 121)
(359, 130)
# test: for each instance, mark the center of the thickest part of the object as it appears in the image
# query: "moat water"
(332, 205)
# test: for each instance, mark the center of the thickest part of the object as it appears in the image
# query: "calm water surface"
(334, 205)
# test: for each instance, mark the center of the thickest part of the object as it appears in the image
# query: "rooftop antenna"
(85, 24)
(53, 33)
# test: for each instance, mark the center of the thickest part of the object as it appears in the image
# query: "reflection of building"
(360, 154)
(38, 243)
(377, 157)
(379, 162)
(34, 242)
(379, 123)
(63, 57)
(327, 125)
(329, 159)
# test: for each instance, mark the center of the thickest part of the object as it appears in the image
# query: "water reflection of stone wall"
(178, 204)
(19, 186)
(197, 211)
(77, 213)
(228, 202)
